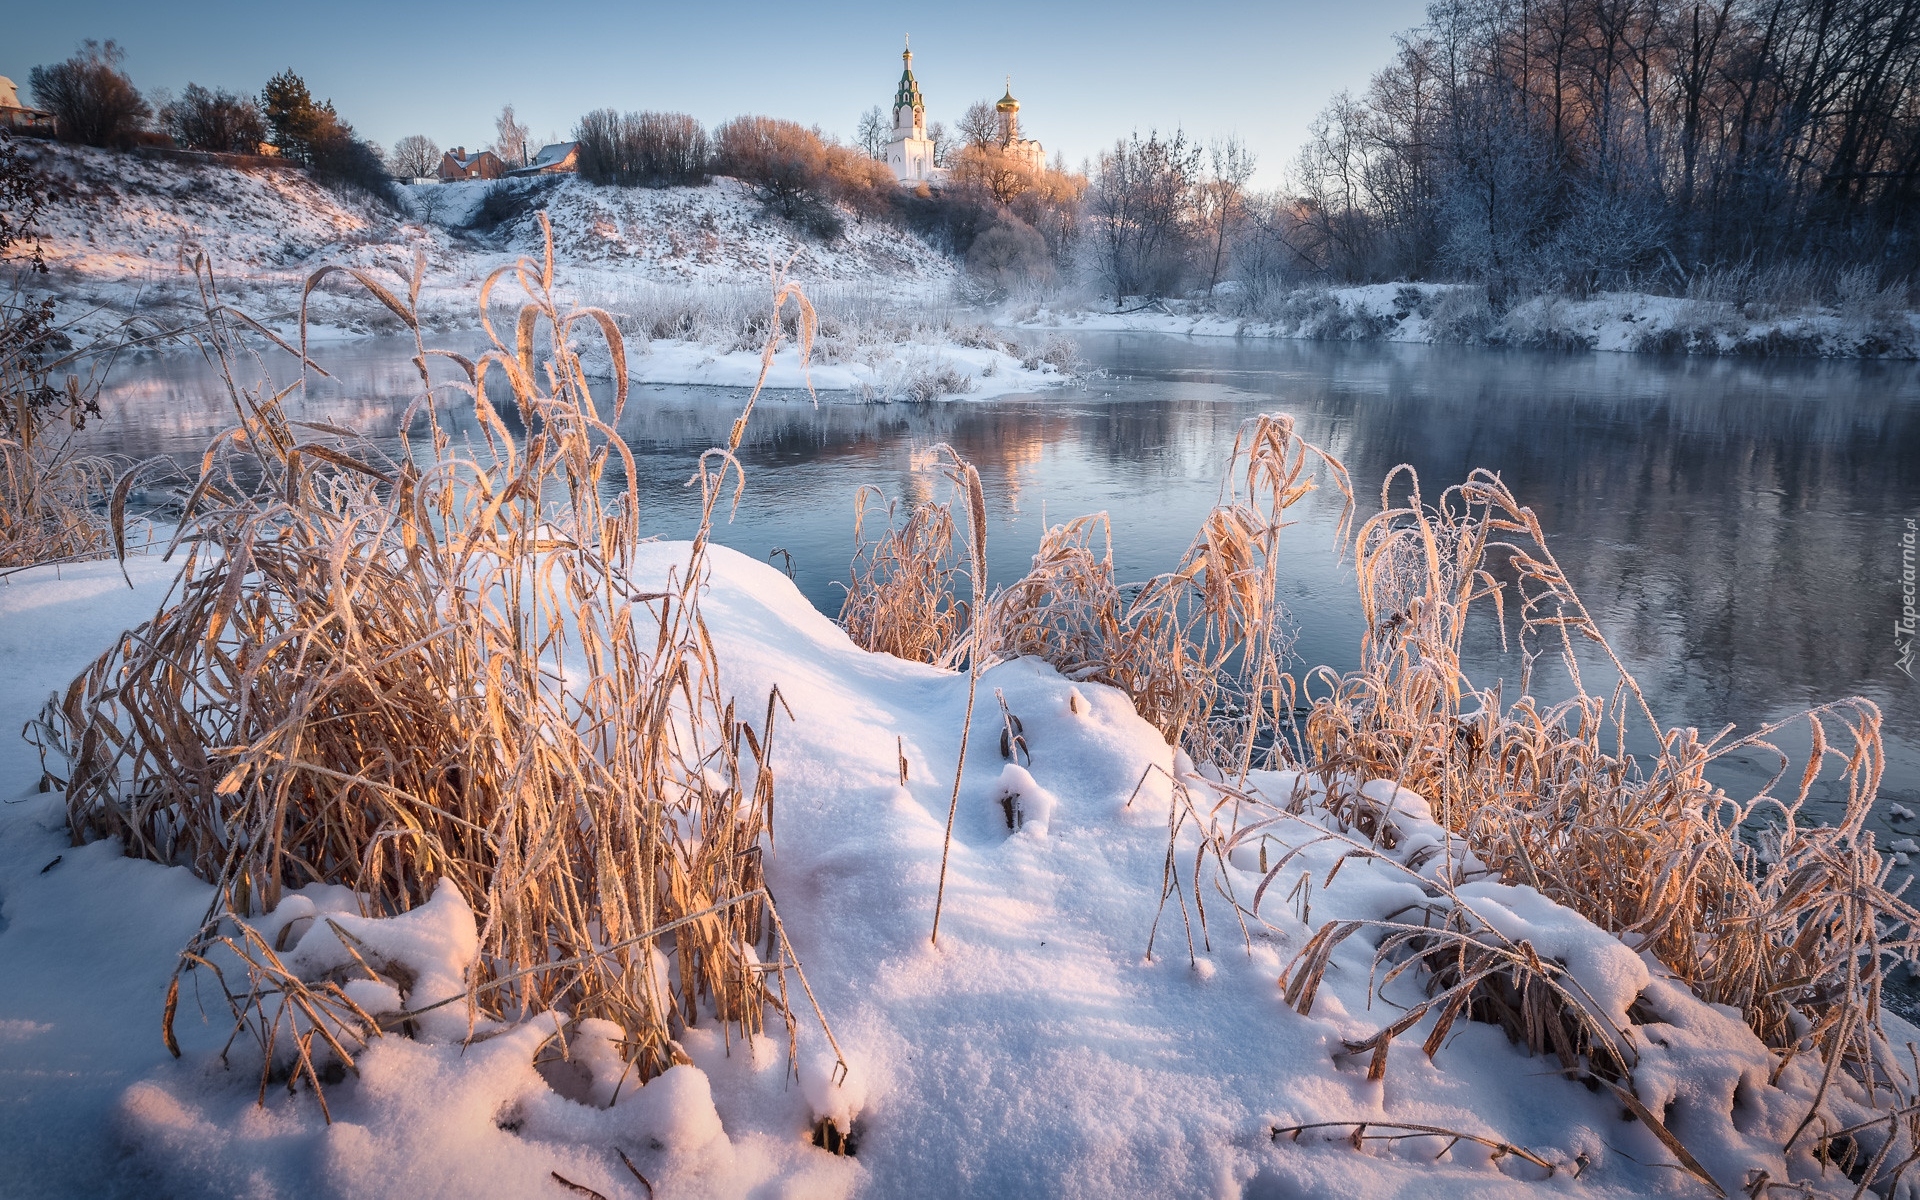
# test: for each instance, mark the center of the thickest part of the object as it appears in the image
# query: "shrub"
(864, 184)
(643, 149)
(217, 121)
(781, 158)
(94, 102)
(1010, 254)
(1059, 352)
(506, 199)
(1793, 923)
(1462, 316)
(49, 494)
(950, 219)
(343, 160)
(1318, 314)
(787, 166)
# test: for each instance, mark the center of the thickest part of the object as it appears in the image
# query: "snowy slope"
(115, 215)
(711, 234)
(120, 231)
(1037, 1050)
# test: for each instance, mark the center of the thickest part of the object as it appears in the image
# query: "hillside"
(712, 234)
(120, 232)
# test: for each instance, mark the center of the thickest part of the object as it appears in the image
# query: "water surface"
(1734, 525)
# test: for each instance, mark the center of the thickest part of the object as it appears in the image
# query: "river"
(1734, 525)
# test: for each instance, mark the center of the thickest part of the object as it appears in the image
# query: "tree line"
(1529, 145)
(1583, 144)
(95, 103)
(1011, 223)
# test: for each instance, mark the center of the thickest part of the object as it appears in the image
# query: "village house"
(558, 158)
(17, 116)
(481, 164)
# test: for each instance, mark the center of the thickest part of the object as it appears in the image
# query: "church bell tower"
(910, 152)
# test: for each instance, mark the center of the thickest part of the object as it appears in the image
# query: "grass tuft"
(390, 673)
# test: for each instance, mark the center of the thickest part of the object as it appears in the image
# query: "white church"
(910, 152)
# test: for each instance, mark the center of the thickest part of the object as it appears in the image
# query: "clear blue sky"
(1084, 72)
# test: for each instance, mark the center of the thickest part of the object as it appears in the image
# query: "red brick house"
(481, 164)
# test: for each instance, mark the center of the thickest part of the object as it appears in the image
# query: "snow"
(121, 231)
(434, 945)
(1457, 314)
(1037, 1049)
(882, 373)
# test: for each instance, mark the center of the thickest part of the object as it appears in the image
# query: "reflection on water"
(1733, 525)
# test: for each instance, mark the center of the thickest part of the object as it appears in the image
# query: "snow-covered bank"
(685, 271)
(1459, 314)
(917, 371)
(1038, 1050)
(119, 232)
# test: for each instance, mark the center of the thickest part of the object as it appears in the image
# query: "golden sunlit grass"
(52, 497)
(52, 500)
(384, 673)
(1749, 901)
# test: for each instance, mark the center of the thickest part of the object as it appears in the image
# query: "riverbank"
(142, 244)
(1871, 325)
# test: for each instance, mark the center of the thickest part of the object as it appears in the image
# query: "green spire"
(908, 93)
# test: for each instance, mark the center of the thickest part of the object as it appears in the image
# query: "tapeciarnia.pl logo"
(1904, 628)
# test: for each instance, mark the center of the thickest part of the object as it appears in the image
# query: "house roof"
(465, 161)
(553, 154)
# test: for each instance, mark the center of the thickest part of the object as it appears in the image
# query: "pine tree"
(298, 124)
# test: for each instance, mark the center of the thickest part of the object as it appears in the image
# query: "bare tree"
(510, 138)
(1582, 143)
(980, 125)
(874, 133)
(91, 99)
(218, 121)
(430, 203)
(643, 149)
(1142, 213)
(1221, 205)
(942, 143)
(414, 156)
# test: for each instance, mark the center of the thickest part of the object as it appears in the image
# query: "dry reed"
(52, 496)
(1749, 902)
(1200, 648)
(385, 673)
